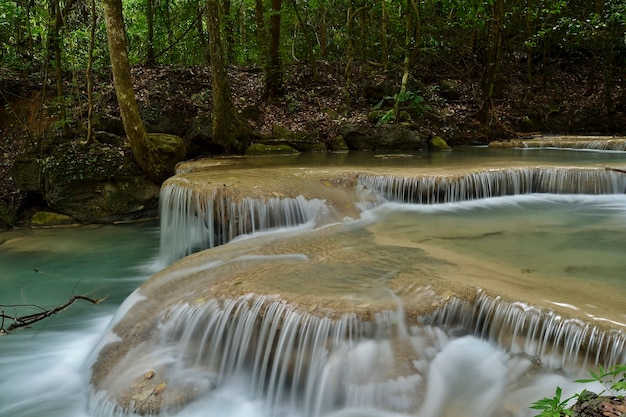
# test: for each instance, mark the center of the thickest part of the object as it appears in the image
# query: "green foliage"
(553, 407)
(452, 30)
(613, 379)
(409, 101)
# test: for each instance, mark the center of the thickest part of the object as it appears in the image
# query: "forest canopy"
(457, 34)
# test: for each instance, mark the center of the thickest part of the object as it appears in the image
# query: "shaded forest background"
(468, 71)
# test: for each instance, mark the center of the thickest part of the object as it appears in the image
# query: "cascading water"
(193, 220)
(587, 143)
(298, 363)
(494, 183)
(556, 341)
(298, 354)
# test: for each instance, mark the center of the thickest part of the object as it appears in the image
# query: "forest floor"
(566, 97)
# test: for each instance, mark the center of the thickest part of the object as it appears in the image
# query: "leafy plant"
(407, 100)
(613, 379)
(553, 407)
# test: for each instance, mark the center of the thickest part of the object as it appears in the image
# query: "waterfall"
(558, 342)
(591, 143)
(300, 364)
(193, 219)
(316, 363)
(294, 363)
(494, 183)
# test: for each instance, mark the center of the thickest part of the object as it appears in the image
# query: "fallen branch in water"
(615, 169)
(25, 321)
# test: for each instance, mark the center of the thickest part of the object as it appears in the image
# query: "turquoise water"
(43, 368)
(47, 266)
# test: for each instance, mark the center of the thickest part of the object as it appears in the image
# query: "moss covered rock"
(390, 138)
(338, 144)
(26, 172)
(170, 149)
(97, 184)
(438, 144)
(50, 219)
(300, 141)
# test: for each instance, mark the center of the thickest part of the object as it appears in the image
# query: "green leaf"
(585, 381)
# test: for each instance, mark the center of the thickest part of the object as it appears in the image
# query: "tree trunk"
(349, 45)
(408, 35)
(156, 155)
(230, 130)
(383, 30)
(261, 29)
(494, 55)
(88, 74)
(201, 34)
(323, 34)
(273, 73)
(150, 57)
(310, 59)
(229, 32)
(54, 46)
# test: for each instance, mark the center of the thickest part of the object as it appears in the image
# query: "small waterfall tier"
(206, 206)
(203, 209)
(433, 189)
(344, 317)
(558, 342)
(192, 220)
(595, 143)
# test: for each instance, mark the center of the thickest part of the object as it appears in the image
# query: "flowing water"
(568, 249)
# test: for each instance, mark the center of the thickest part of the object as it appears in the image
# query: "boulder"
(171, 150)
(451, 90)
(107, 123)
(301, 141)
(26, 173)
(50, 219)
(199, 136)
(438, 144)
(338, 144)
(97, 184)
(389, 138)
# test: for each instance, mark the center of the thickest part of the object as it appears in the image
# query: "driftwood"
(16, 322)
(615, 169)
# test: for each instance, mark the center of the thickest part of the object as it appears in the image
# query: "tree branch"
(615, 169)
(17, 322)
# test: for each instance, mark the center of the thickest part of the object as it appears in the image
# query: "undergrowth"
(613, 379)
